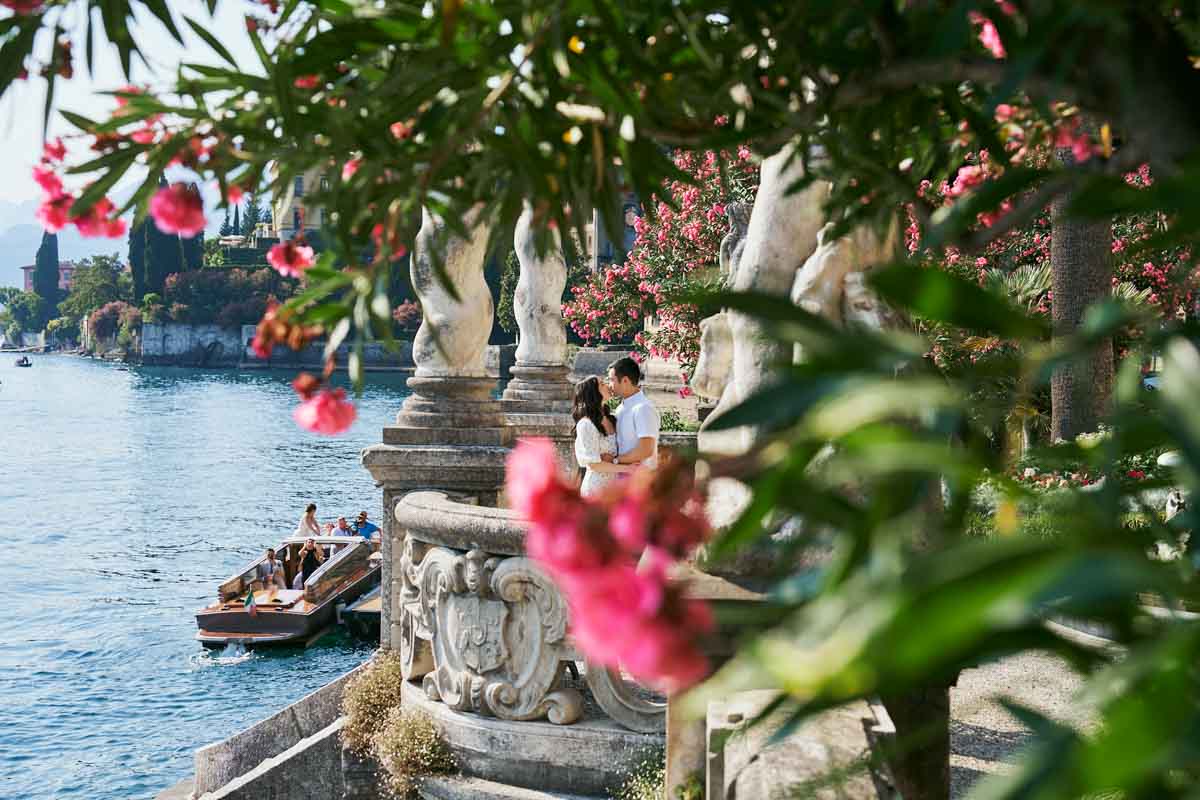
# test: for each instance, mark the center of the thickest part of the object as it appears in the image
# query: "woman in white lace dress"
(595, 436)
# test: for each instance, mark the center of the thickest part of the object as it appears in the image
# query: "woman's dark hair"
(311, 508)
(589, 403)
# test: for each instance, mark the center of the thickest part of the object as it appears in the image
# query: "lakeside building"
(66, 275)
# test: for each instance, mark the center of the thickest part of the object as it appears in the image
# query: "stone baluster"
(450, 433)
(539, 381)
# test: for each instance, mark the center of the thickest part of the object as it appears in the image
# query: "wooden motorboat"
(290, 616)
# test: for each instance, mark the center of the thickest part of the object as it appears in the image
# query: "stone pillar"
(540, 382)
(451, 386)
(450, 433)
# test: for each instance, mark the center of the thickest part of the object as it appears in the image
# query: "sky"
(21, 106)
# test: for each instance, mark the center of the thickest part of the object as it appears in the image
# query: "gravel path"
(984, 738)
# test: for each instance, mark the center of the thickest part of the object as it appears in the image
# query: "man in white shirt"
(637, 418)
(270, 571)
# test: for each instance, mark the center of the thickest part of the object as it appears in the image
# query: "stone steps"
(462, 788)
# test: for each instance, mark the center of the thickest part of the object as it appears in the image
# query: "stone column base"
(539, 387)
(450, 402)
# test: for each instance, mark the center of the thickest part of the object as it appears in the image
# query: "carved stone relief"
(486, 633)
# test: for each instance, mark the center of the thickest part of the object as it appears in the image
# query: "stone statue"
(738, 214)
(452, 340)
(780, 236)
(716, 357)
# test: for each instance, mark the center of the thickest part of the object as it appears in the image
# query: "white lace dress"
(590, 444)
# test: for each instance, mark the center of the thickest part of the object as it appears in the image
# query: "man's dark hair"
(627, 368)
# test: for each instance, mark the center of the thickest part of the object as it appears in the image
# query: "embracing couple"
(608, 445)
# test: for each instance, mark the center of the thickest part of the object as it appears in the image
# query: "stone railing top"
(436, 518)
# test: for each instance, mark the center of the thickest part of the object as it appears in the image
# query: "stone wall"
(311, 769)
(375, 356)
(221, 762)
(186, 345)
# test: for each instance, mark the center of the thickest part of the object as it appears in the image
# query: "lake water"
(126, 496)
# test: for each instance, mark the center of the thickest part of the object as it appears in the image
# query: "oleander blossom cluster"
(612, 556)
(54, 213)
(673, 252)
(324, 410)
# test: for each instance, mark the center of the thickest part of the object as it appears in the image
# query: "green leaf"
(939, 296)
(211, 41)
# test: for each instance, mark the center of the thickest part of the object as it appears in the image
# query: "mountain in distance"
(21, 233)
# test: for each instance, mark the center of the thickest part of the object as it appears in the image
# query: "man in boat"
(270, 571)
(343, 528)
(363, 528)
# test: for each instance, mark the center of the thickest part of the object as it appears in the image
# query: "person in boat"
(327, 529)
(270, 571)
(343, 528)
(308, 525)
(311, 558)
(363, 528)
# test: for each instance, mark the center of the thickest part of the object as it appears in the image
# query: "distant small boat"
(24, 361)
(290, 616)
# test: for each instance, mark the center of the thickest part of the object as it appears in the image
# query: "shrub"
(672, 421)
(105, 320)
(647, 781)
(408, 747)
(367, 700)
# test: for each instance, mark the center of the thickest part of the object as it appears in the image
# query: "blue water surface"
(126, 496)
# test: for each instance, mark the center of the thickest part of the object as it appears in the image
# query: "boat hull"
(269, 626)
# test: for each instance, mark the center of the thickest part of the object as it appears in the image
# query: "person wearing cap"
(363, 528)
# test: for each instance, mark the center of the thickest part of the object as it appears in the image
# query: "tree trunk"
(1081, 274)
(920, 756)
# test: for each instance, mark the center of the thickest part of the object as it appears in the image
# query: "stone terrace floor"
(984, 738)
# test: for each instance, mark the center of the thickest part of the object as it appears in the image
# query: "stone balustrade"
(483, 628)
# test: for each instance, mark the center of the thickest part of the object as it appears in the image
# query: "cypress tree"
(164, 256)
(253, 215)
(237, 220)
(225, 226)
(137, 260)
(191, 250)
(45, 276)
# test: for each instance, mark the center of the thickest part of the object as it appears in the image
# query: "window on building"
(299, 186)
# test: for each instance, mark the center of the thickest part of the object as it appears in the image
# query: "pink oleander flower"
(48, 179)
(290, 259)
(178, 208)
(144, 135)
(55, 212)
(989, 37)
(23, 7)
(54, 151)
(97, 222)
(350, 167)
(234, 194)
(394, 248)
(1004, 112)
(327, 413)
(307, 82)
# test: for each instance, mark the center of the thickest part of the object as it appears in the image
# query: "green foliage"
(671, 420)
(214, 254)
(408, 747)
(876, 450)
(254, 215)
(368, 699)
(228, 297)
(96, 282)
(508, 286)
(26, 310)
(646, 781)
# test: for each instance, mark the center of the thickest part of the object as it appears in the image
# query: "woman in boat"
(311, 558)
(308, 525)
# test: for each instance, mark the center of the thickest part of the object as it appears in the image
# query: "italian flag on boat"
(249, 603)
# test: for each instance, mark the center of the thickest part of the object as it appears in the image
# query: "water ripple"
(129, 495)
